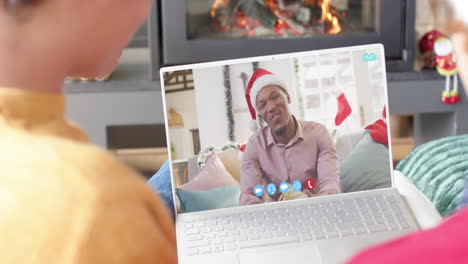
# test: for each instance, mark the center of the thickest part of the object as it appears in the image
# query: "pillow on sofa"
(367, 167)
(346, 142)
(222, 197)
(232, 160)
(213, 175)
(161, 184)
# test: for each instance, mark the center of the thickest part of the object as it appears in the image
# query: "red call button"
(310, 184)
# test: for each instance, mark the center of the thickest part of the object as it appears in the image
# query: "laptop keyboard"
(305, 222)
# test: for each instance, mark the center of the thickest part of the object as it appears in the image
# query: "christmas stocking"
(344, 110)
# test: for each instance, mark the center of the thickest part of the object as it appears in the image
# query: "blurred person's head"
(457, 28)
(65, 37)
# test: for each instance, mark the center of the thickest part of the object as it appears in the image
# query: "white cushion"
(422, 208)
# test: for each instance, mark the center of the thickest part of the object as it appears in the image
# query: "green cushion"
(438, 168)
(221, 197)
(367, 167)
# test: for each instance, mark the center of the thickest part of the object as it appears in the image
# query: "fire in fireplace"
(284, 18)
(207, 30)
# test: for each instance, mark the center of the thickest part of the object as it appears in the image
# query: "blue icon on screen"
(297, 185)
(284, 187)
(369, 57)
(271, 189)
(258, 190)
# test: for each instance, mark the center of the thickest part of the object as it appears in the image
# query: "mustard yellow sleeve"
(68, 202)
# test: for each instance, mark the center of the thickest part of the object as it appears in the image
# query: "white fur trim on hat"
(265, 80)
(254, 125)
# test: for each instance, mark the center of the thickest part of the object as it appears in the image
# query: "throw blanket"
(438, 168)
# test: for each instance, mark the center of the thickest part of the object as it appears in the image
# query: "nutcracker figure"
(447, 66)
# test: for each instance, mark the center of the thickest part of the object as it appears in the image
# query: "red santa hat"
(259, 79)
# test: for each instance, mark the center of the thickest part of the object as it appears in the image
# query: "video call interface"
(273, 130)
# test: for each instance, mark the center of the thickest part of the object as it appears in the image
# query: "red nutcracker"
(447, 66)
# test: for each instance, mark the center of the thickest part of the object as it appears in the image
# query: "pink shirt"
(309, 154)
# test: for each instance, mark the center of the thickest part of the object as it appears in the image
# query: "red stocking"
(344, 110)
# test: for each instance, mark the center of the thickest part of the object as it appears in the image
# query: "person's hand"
(292, 195)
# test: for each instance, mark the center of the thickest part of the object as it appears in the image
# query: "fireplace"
(272, 19)
(207, 30)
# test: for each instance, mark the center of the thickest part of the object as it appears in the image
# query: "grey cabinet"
(419, 94)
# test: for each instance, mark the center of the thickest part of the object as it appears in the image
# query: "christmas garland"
(299, 80)
(255, 65)
(228, 97)
(203, 155)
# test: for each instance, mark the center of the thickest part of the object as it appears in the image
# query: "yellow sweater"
(63, 200)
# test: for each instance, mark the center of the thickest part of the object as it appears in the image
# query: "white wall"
(94, 111)
(369, 80)
(240, 109)
(211, 106)
(184, 104)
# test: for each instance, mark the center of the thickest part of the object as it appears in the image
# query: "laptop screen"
(277, 128)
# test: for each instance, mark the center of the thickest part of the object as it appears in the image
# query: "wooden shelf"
(143, 159)
(401, 147)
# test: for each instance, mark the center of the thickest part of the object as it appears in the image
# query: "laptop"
(208, 122)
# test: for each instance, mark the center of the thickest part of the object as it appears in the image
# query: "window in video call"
(276, 130)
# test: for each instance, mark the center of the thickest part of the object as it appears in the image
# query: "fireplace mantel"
(410, 93)
(135, 83)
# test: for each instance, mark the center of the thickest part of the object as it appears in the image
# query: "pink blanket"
(446, 243)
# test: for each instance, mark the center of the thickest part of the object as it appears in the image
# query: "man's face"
(272, 104)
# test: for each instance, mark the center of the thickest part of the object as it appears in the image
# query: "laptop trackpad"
(297, 254)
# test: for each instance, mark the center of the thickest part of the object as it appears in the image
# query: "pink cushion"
(214, 175)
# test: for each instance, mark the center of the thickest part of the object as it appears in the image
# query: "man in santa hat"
(286, 151)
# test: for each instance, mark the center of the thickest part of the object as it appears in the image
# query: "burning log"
(292, 6)
(259, 11)
(296, 27)
(223, 12)
(282, 16)
(256, 9)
